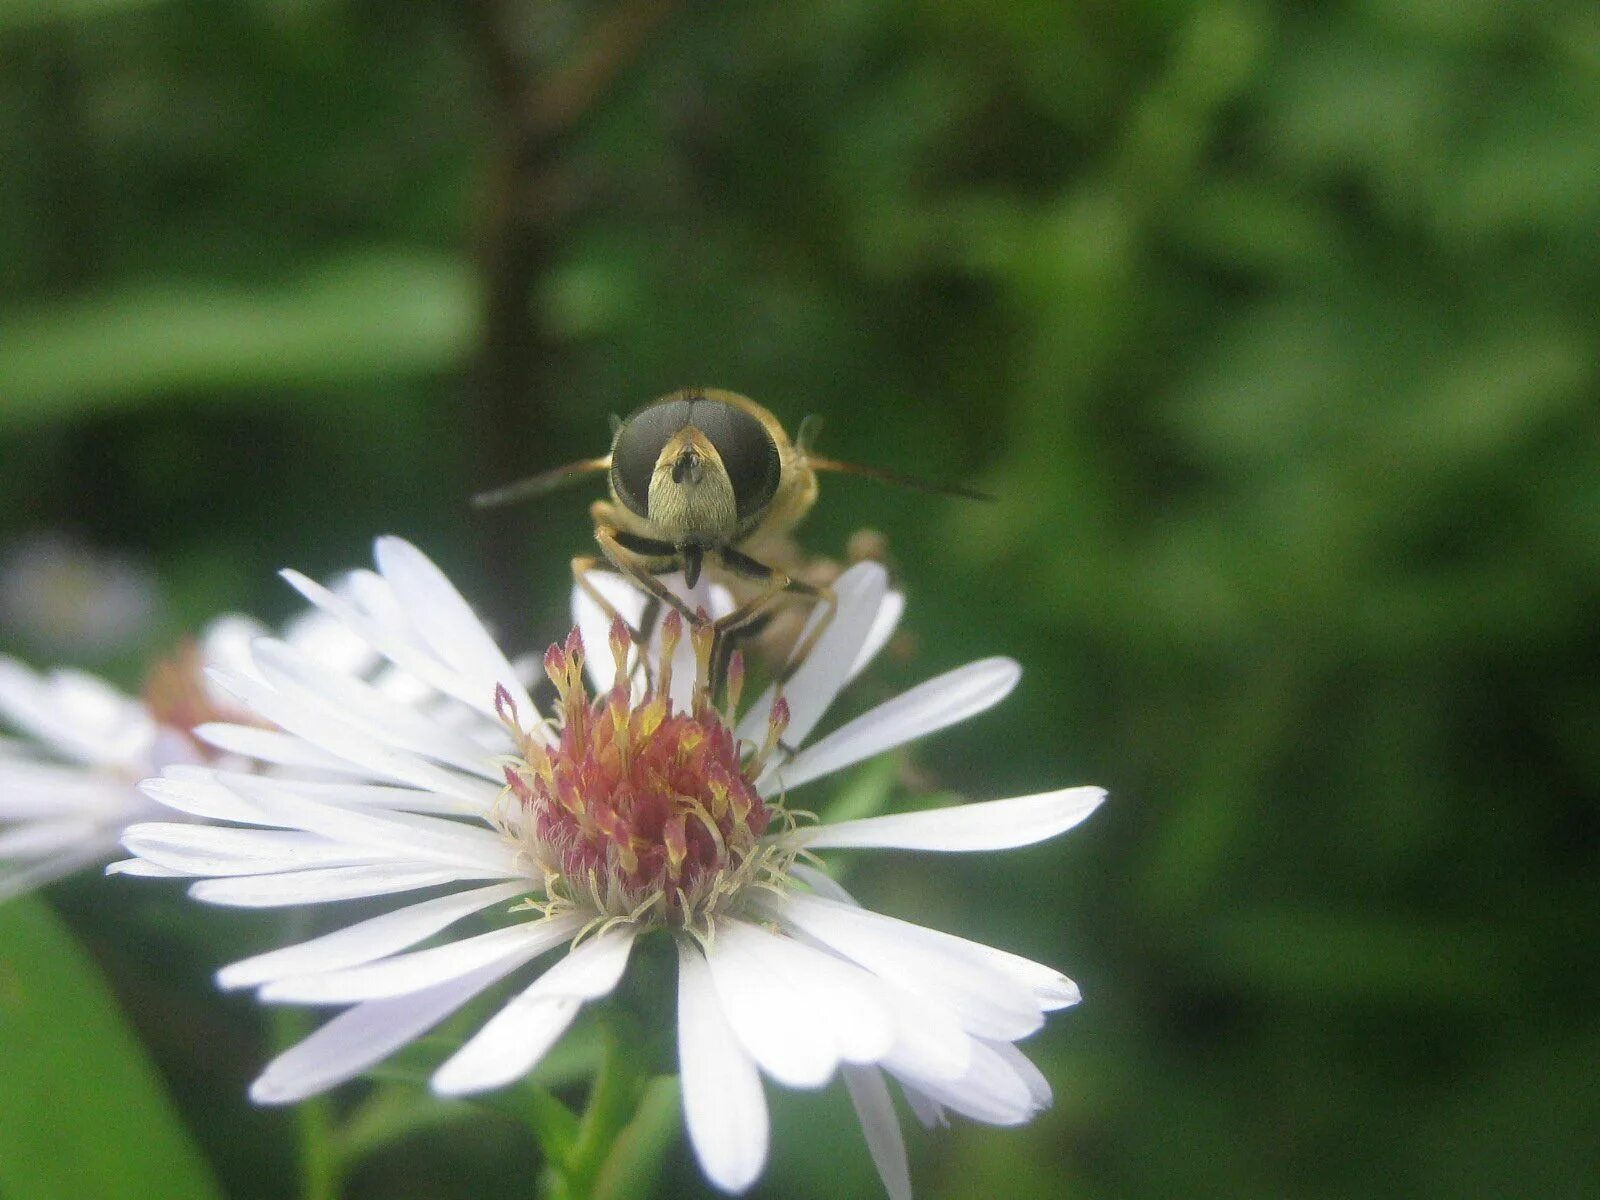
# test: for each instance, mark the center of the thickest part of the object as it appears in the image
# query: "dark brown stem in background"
(531, 193)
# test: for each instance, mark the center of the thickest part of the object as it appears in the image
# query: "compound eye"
(748, 453)
(638, 445)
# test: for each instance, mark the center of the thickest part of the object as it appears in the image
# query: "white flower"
(620, 815)
(69, 786)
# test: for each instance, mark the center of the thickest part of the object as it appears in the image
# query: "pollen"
(638, 809)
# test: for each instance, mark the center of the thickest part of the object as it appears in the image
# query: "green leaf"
(633, 1166)
(376, 315)
(83, 1111)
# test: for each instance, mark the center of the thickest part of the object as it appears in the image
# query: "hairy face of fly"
(691, 496)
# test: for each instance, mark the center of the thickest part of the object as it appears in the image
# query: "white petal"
(520, 1034)
(847, 1003)
(91, 701)
(394, 639)
(987, 1002)
(1049, 986)
(366, 708)
(766, 1017)
(216, 850)
(1038, 1086)
(205, 792)
(929, 1041)
(367, 940)
(503, 1051)
(993, 825)
(446, 622)
(992, 1091)
(593, 968)
(327, 884)
(39, 839)
(76, 715)
(723, 1106)
(378, 797)
(324, 727)
(169, 748)
(1052, 989)
(325, 639)
(271, 746)
(198, 793)
(226, 643)
(405, 688)
(139, 867)
(365, 1035)
(818, 680)
(420, 969)
(374, 598)
(31, 790)
(399, 835)
(941, 701)
(797, 1010)
(883, 627)
(875, 1110)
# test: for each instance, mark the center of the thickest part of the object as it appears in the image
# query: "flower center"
(641, 810)
(178, 698)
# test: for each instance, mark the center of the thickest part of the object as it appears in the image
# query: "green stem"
(322, 1174)
(612, 1101)
(573, 1168)
(321, 1168)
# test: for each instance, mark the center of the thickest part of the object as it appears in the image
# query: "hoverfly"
(695, 477)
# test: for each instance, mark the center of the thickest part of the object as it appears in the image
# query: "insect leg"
(649, 621)
(778, 585)
(651, 616)
(635, 557)
(807, 644)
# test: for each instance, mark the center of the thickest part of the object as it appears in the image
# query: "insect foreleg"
(639, 558)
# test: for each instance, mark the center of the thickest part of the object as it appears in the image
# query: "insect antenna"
(895, 477)
(538, 485)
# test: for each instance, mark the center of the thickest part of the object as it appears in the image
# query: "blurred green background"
(1272, 325)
